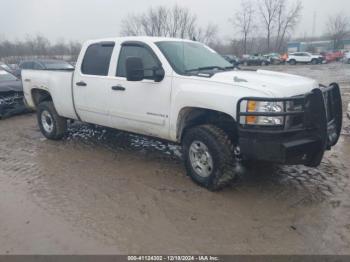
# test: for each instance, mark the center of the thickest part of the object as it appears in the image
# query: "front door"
(143, 106)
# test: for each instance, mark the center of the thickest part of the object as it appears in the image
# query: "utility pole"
(314, 24)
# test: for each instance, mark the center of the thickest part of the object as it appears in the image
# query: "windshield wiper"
(205, 68)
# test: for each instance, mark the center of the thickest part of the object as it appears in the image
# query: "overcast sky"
(88, 19)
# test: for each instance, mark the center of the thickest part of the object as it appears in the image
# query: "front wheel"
(50, 123)
(209, 157)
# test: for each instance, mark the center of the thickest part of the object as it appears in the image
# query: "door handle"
(118, 88)
(81, 83)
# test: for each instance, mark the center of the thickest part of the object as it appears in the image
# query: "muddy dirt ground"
(103, 192)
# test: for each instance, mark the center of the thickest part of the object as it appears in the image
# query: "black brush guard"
(306, 132)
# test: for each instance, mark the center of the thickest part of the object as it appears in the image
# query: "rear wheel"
(314, 61)
(209, 157)
(51, 124)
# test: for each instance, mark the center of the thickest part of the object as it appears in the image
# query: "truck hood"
(11, 86)
(270, 83)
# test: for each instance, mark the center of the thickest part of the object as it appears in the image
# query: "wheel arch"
(189, 117)
(40, 95)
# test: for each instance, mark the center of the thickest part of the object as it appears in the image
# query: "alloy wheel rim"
(47, 121)
(201, 159)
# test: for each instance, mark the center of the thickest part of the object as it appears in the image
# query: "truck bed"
(57, 82)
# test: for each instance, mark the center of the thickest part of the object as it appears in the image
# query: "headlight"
(264, 106)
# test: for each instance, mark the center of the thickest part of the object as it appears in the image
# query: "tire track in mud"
(16, 160)
(316, 184)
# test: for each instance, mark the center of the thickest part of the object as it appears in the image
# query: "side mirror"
(134, 69)
(158, 74)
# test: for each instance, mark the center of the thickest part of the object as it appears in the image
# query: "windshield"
(4, 76)
(57, 65)
(185, 57)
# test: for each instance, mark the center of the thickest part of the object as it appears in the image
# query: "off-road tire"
(222, 151)
(292, 62)
(59, 123)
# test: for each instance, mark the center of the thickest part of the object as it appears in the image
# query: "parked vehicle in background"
(234, 60)
(185, 92)
(274, 58)
(304, 57)
(14, 67)
(332, 56)
(254, 60)
(328, 57)
(346, 57)
(11, 95)
(284, 57)
(73, 63)
(5, 67)
(44, 65)
(337, 54)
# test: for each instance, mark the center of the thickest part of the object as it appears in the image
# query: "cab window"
(97, 58)
(148, 58)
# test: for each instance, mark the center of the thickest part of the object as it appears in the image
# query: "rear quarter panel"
(57, 83)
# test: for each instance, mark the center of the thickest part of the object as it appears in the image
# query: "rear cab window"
(97, 59)
(27, 65)
(37, 66)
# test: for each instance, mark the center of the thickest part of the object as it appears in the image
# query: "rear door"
(305, 57)
(91, 84)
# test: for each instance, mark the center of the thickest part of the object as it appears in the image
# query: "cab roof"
(146, 39)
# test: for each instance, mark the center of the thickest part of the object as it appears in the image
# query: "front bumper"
(305, 134)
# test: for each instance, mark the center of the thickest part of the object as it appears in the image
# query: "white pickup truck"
(183, 91)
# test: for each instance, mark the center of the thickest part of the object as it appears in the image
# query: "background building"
(316, 46)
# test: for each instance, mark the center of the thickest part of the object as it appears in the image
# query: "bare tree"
(268, 11)
(131, 25)
(154, 22)
(243, 22)
(181, 22)
(338, 28)
(287, 19)
(169, 22)
(38, 46)
(206, 35)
